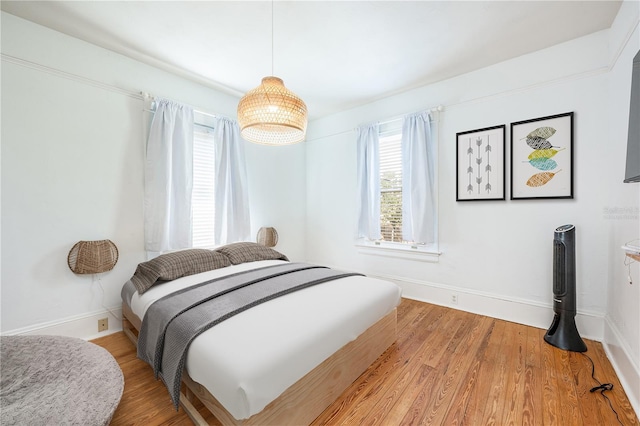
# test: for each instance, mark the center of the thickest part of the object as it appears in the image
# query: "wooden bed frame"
(306, 399)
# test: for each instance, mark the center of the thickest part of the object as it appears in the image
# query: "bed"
(283, 361)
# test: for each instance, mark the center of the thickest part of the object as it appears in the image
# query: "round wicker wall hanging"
(92, 257)
(267, 237)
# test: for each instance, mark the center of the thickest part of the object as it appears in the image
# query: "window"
(391, 187)
(398, 157)
(202, 198)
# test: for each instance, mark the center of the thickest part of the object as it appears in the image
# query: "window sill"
(399, 251)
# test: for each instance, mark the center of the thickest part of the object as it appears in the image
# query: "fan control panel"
(564, 228)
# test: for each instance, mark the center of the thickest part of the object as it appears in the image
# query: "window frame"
(403, 250)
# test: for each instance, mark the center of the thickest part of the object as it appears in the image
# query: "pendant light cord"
(272, 37)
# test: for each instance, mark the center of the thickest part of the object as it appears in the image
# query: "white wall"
(497, 255)
(622, 318)
(500, 248)
(72, 169)
(278, 184)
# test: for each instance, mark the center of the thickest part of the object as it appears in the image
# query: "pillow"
(249, 252)
(171, 266)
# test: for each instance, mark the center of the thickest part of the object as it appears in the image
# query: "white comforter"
(248, 360)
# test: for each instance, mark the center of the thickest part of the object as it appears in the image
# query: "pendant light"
(271, 114)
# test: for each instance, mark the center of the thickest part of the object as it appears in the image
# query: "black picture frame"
(542, 158)
(480, 164)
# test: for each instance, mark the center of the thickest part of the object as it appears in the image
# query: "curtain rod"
(150, 97)
(438, 108)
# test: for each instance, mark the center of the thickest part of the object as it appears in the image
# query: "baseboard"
(82, 326)
(521, 311)
(625, 365)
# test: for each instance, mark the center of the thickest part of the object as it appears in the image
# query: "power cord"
(117, 318)
(602, 387)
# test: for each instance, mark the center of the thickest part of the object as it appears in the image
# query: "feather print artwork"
(479, 161)
(480, 164)
(470, 168)
(487, 168)
(540, 179)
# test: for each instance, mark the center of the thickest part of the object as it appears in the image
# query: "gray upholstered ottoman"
(56, 380)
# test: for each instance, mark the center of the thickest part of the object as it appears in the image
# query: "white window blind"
(391, 187)
(202, 198)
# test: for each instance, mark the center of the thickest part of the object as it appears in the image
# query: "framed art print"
(542, 158)
(480, 164)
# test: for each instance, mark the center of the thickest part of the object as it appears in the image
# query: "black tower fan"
(563, 333)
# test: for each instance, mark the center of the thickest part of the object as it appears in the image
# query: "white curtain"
(232, 222)
(368, 170)
(169, 178)
(418, 180)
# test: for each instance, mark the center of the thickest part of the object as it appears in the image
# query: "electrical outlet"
(103, 324)
(454, 299)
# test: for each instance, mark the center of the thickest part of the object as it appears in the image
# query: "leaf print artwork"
(538, 143)
(543, 163)
(540, 158)
(542, 133)
(541, 148)
(544, 153)
(540, 179)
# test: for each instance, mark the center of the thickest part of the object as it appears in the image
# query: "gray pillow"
(171, 266)
(249, 252)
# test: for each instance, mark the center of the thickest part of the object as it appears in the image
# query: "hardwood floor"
(447, 367)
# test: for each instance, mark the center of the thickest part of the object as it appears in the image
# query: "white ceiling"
(333, 54)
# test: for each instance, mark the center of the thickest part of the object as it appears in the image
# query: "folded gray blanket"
(171, 323)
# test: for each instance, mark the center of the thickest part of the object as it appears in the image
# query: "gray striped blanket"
(172, 322)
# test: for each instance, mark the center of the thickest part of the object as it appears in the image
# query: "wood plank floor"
(447, 367)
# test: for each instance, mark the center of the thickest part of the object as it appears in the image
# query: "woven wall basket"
(92, 257)
(267, 237)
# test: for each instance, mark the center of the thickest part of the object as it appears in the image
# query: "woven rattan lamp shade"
(271, 114)
(267, 236)
(92, 257)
